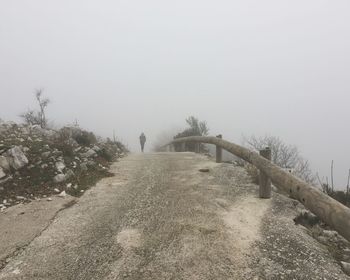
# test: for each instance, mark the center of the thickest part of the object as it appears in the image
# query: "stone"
(4, 163)
(46, 154)
(60, 166)
(69, 174)
(84, 167)
(56, 190)
(91, 163)
(6, 179)
(323, 239)
(25, 149)
(204, 170)
(63, 194)
(25, 130)
(89, 153)
(59, 178)
(306, 218)
(17, 159)
(330, 233)
(2, 173)
(18, 197)
(346, 267)
(96, 148)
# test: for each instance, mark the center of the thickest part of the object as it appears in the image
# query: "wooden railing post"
(218, 151)
(197, 148)
(264, 180)
(170, 148)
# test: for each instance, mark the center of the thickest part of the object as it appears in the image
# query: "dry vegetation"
(50, 161)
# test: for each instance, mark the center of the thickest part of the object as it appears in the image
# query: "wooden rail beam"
(219, 151)
(326, 208)
(264, 180)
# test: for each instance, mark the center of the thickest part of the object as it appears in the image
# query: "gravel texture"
(159, 217)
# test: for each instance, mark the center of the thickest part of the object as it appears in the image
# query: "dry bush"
(85, 138)
(33, 117)
(63, 142)
(107, 154)
(283, 155)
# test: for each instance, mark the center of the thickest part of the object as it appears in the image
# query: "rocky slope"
(36, 162)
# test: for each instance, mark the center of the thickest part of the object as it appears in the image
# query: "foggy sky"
(246, 67)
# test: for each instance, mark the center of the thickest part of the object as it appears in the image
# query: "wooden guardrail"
(326, 208)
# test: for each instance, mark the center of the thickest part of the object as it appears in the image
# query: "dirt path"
(158, 218)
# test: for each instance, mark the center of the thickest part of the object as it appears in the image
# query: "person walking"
(142, 141)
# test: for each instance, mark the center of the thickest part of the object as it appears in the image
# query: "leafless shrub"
(342, 196)
(43, 102)
(33, 117)
(283, 155)
(85, 138)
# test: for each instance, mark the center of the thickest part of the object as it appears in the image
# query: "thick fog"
(246, 67)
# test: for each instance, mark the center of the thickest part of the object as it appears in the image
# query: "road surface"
(159, 217)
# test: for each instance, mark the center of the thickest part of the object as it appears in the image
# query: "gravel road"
(159, 217)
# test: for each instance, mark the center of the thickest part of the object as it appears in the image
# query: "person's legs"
(142, 146)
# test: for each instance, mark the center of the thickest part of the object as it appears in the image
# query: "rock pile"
(35, 161)
(336, 244)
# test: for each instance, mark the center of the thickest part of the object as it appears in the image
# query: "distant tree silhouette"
(196, 128)
(283, 155)
(33, 117)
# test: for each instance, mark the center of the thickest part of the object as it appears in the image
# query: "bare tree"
(348, 188)
(284, 155)
(43, 102)
(31, 117)
(332, 170)
(37, 117)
